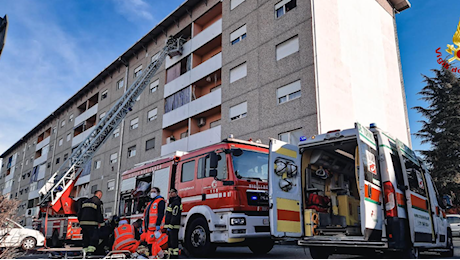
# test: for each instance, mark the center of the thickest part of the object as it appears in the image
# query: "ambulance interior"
(331, 190)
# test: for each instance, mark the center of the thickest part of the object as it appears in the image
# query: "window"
(204, 163)
(284, 6)
(66, 156)
(131, 151)
(58, 160)
(138, 71)
(150, 144)
(152, 115)
(287, 48)
(235, 3)
(183, 135)
(101, 116)
(134, 123)
(289, 92)
(61, 141)
(93, 189)
(111, 185)
(177, 99)
(97, 164)
(453, 220)
(116, 132)
(238, 35)
(292, 137)
(154, 57)
(238, 72)
(71, 118)
(415, 177)
(104, 94)
(154, 86)
(239, 111)
(68, 137)
(113, 158)
(120, 83)
(214, 123)
(63, 123)
(188, 171)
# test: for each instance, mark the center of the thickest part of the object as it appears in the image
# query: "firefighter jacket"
(154, 214)
(90, 213)
(173, 213)
(125, 238)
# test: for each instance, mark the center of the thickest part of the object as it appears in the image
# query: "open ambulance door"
(285, 189)
(419, 209)
(370, 186)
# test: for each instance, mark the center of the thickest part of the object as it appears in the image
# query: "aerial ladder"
(56, 191)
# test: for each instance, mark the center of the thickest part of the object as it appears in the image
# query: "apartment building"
(252, 68)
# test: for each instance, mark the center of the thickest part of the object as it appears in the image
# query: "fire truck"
(58, 208)
(224, 193)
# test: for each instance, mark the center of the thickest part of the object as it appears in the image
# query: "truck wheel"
(411, 253)
(198, 240)
(450, 245)
(28, 243)
(55, 239)
(320, 252)
(261, 246)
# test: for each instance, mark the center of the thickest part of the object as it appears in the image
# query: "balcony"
(195, 107)
(198, 41)
(85, 115)
(79, 138)
(45, 142)
(40, 160)
(193, 75)
(199, 140)
(6, 190)
(83, 179)
(33, 194)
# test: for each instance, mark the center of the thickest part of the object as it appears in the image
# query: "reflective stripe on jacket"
(124, 238)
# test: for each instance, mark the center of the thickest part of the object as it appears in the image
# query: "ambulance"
(355, 190)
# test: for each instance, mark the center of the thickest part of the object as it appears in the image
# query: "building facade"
(252, 68)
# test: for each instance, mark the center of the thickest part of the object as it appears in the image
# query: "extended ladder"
(70, 170)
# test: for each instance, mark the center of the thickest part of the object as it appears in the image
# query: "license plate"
(265, 222)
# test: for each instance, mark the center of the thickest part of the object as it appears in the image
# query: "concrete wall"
(358, 67)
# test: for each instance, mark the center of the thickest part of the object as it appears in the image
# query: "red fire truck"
(224, 193)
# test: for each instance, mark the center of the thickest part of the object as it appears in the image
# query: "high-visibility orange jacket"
(153, 216)
(124, 238)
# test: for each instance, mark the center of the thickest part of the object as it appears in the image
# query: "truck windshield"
(251, 165)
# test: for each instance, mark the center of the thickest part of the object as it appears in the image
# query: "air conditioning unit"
(201, 121)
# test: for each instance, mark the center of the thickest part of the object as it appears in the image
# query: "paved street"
(285, 251)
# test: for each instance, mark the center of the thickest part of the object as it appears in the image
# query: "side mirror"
(237, 152)
(214, 159)
(213, 173)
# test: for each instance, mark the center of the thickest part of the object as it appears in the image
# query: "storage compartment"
(135, 201)
(331, 190)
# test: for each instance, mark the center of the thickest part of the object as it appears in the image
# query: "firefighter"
(153, 222)
(172, 222)
(91, 218)
(125, 237)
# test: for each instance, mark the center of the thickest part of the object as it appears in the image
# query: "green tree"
(441, 129)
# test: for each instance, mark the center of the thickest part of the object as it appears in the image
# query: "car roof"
(453, 215)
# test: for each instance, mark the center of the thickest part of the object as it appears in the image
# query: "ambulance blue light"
(373, 125)
(303, 138)
(254, 197)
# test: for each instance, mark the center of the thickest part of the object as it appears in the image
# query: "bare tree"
(8, 210)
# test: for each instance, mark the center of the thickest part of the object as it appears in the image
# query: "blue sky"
(55, 47)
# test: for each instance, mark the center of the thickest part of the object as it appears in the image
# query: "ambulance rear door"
(370, 186)
(285, 189)
(418, 204)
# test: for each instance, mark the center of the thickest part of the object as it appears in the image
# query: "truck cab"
(354, 188)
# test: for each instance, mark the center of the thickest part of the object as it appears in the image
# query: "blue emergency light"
(303, 138)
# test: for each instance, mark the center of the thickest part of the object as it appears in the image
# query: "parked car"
(14, 235)
(454, 221)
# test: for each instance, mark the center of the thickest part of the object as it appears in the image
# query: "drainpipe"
(22, 169)
(122, 127)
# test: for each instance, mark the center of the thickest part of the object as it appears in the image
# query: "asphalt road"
(294, 251)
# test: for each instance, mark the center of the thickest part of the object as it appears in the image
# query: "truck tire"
(450, 245)
(55, 239)
(411, 253)
(261, 246)
(198, 240)
(320, 252)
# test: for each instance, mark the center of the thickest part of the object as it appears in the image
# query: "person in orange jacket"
(125, 237)
(154, 222)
